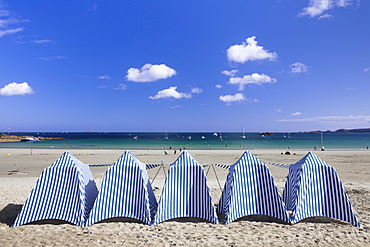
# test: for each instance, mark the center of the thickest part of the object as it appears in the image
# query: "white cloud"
(367, 69)
(121, 86)
(34, 39)
(254, 78)
(298, 68)
(10, 31)
(296, 113)
(10, 21)
(150, 73)
(6, 21)
(42, 41)
(239, 97)
(325, 16)
(344, 3)
(249, 51)
(104, 77)
(52, 58)
(4, 12)
(218, 86)
(317, 8)
(230, 72)
(170, 93)
(196, 90)
(16, 89)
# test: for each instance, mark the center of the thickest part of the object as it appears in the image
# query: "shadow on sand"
(9, 213)
(262, 218)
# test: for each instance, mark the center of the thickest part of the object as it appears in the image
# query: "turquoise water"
(206, 140)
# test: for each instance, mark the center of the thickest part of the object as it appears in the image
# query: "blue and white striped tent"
(125, 192)
(250, 190)
(313, 188)
(65, 191)
(185, 192)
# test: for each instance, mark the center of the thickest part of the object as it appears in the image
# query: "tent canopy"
(185, 192)
(313, 188)
(65, 191)
(125, 192)
(250, 190)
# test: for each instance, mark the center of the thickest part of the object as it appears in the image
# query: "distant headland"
(16, 138)
(363, 130)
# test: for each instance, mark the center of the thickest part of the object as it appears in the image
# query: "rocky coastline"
(16, 138)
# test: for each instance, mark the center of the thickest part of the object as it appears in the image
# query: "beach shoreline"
(19, 170)
(193, 141)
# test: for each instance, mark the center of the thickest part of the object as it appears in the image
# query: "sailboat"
(322, 143)
(243, 135)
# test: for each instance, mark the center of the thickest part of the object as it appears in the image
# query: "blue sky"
(210, 65)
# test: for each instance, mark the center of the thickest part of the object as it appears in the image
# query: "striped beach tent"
(125, 192)
(65, 191)
(250, 190)
(313, 188)
(185, 192)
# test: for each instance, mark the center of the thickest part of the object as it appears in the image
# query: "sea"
(196, 140)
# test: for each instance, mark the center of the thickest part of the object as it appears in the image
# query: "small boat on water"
(29, 139)
(243, 135)
(322, 143)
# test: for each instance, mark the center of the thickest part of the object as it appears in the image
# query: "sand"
(19, 171)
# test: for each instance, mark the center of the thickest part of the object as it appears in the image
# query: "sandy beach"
(19, 171)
